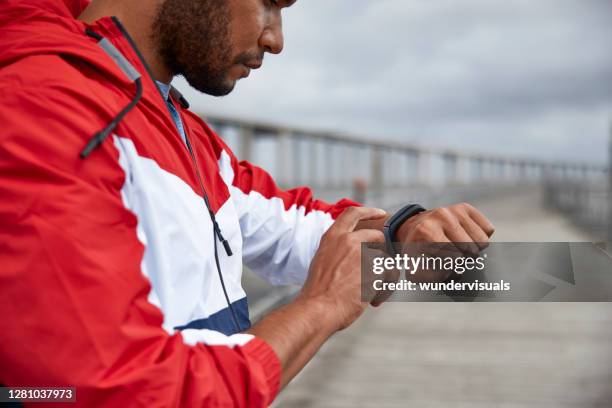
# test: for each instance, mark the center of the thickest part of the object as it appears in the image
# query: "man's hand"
(334, 278)
(330, 299)
(459, 223)
(465, 229)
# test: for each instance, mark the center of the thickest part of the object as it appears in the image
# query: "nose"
(271, 39)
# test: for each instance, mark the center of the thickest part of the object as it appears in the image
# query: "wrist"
(397, 229)
(316, 311)
(403, 232)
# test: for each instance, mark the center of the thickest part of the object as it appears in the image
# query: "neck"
(138, 23)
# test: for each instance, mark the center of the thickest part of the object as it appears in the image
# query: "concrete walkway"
(520, 217)
(510, 355)
(543, 355)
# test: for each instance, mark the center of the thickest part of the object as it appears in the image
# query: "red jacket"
(107, 273)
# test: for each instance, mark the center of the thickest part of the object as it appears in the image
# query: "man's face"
(213, 43)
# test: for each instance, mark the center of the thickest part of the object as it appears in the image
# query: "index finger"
(348, 220)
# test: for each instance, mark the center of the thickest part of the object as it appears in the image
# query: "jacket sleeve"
(73, 296)
(281, 229)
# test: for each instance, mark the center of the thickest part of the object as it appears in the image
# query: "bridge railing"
(371, 170)
(587, 204)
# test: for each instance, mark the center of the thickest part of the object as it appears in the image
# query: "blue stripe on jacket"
(222, 321)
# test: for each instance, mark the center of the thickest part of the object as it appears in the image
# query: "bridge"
(447, 354)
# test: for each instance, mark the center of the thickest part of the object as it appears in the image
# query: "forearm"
(295, 332)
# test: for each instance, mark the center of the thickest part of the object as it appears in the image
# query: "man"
(125, 219)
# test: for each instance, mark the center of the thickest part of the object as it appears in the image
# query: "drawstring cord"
(99, 137)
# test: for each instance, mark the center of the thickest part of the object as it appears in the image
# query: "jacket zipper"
(217, 229)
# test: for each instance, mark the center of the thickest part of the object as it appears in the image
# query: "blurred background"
(504, 104)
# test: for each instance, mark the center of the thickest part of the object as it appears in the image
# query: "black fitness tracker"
(396, 221)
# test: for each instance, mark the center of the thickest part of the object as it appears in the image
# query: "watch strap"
(395, 222)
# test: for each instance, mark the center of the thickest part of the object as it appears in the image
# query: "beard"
(193, 39)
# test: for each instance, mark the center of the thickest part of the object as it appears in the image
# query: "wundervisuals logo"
(503, 272)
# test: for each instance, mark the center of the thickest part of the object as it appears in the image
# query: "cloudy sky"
(522, 77)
